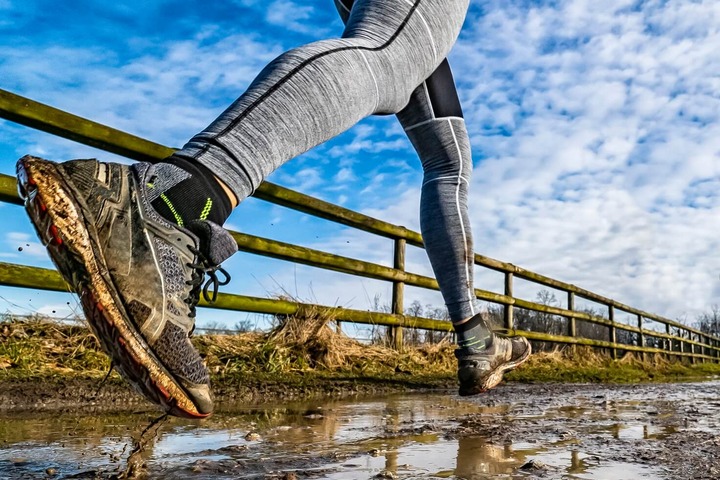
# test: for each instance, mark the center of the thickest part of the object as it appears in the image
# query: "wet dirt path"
(664, 431)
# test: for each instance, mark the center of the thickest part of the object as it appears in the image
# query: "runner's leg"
(434, 123)
(314, 92)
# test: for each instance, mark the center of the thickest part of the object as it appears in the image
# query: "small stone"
(235, 448)
(533, 465)
(386, 474)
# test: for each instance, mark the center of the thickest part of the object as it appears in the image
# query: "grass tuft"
(308, 342)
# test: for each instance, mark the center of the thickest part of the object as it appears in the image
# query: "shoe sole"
(71, 242)
(496, 376)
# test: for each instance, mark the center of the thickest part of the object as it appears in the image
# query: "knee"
(398, 75)
(444, 150)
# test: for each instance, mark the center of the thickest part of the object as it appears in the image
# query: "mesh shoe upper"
(156, 266)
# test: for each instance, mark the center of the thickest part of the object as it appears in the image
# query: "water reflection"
(418, 436)
(476, 457)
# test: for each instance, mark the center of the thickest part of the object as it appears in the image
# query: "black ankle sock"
(474, 333)
(192, 193)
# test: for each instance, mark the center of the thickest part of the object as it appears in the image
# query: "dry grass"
(34, 347)
(309, 345)
(309, 342)
(37, 348)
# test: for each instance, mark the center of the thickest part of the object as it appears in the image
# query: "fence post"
(693, 349)
(708, 349)
(710, 344)
(641, 338)
(572, 329)
(572, 326)
(509, 321)
(398, 292)
(613, 333)
(700, 348)
(682, 334)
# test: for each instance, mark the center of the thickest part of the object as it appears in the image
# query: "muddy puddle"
(515, 432)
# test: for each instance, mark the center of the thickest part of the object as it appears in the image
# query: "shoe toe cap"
(202, 398)
(198, 404)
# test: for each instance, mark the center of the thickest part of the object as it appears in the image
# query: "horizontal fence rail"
(685, 341)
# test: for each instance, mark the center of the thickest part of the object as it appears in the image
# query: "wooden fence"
(672, 338)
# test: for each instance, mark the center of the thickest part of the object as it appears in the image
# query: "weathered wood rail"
(676, 339)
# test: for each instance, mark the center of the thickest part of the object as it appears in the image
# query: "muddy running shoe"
(479, 371)
(139, 277)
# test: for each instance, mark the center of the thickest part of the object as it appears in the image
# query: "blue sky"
(594, 128)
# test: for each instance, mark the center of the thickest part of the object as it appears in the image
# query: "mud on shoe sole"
(57, 217)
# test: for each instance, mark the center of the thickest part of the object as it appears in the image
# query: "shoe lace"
(201, 267)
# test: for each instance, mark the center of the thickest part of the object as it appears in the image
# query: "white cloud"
(59, 310)
(24, 245)
(167, 95)
(292, 16)
(304, 180)
(344, 175)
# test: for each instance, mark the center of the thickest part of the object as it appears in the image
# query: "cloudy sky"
(595, 129)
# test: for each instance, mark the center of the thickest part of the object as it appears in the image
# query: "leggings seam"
(372, 74)
(462, 224)
(425, 122)
(445, 178)
(427, 27)
(216, 143)
(430, 105)
(344, 6)
(306, 62)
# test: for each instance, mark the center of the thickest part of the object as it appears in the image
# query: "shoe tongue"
(216, 243)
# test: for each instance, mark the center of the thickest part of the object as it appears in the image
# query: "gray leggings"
(390, 59)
